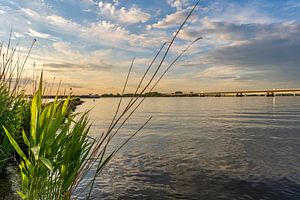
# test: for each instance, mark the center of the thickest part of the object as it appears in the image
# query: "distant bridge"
(241, 93)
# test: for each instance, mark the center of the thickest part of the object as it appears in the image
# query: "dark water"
(9, 184)
(204, 148)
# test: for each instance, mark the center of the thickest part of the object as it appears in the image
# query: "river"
(203, 148)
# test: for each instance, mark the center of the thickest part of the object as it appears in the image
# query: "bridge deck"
(252, 91)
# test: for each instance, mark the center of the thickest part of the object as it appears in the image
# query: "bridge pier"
(270, 94)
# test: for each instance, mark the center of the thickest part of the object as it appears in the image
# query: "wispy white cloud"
(173, 19)
(17, 35)
(31, 13)
(34, 34)
(239, 14)
(105, 31)
(220, 72)
(68, 53)
(62, 22)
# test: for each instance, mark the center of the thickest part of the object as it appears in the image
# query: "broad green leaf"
(36, 152)
(47, 163)
(34, 118)
(35, 110)
(14, 144)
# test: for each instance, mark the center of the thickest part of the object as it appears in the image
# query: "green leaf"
(25, 180)
(63, 169)
(36, 152)
(35, 111)
(26, 141)
(65, 105)
(23, 196)
(14, 144)
(34, 118)
(47, 163)
(41, 84)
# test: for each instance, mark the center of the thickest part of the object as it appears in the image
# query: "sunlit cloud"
(131, 15)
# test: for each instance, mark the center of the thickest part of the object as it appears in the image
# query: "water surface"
(204, 148)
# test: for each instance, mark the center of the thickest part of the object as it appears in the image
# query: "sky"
(88, 45)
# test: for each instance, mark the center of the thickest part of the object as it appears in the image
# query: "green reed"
(14, 108)
(57, 146)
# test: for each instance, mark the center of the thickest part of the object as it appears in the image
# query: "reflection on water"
(205, 148)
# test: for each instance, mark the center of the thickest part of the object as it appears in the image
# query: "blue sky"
(89, 44)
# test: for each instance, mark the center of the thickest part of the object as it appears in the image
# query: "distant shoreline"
(297, 95)
(242, 93)
(168, 96)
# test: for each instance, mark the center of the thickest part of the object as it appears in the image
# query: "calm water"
(204, 148)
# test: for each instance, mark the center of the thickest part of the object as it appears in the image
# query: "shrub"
(57, 146)
(14, 108)
(13, 114)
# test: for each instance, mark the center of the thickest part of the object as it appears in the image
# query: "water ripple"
(205, 148)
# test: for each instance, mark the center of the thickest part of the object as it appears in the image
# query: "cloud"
(275, 55)
(70, 54)
(292, 4)
(247, 13)
(67, 67)
(105, 30)
(131, 16)
(53, 22)
(17, 35)
(222, 72)
(62, 22)
(173, 19)
(30, 13)
(235, 34)
(178, 4)
(115, 35)
(254, 54)
(101, 32)
(170, 20)
(34, 34)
